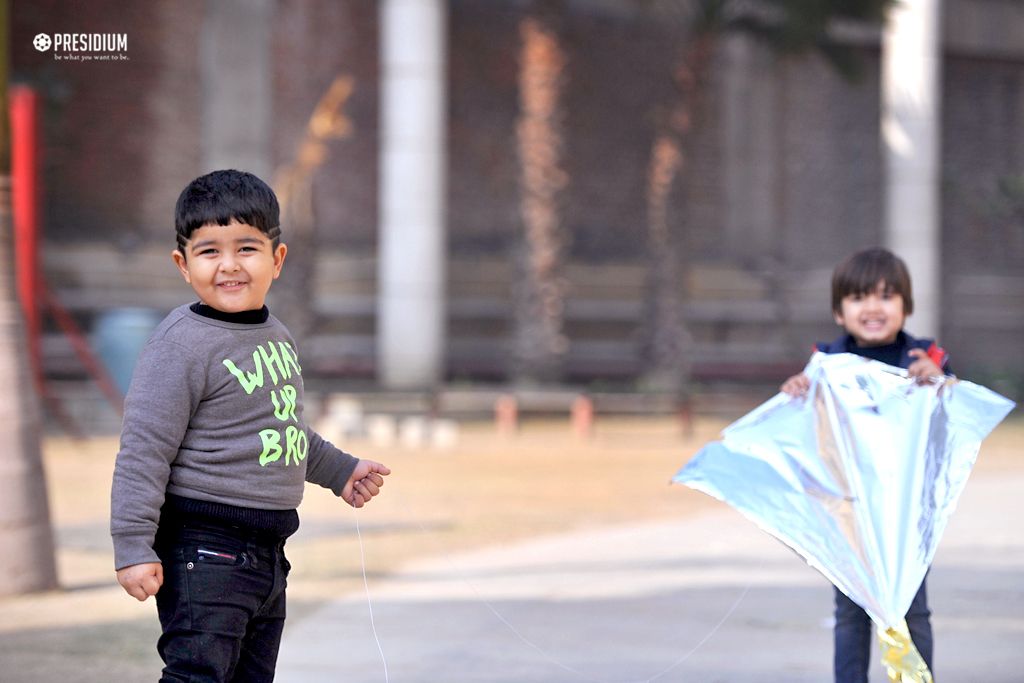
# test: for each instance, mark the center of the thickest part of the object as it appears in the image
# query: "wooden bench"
(733, 321)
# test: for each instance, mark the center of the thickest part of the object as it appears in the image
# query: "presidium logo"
(84, 47)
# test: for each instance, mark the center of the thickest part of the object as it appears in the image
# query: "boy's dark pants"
(854, 631)
(222, 604)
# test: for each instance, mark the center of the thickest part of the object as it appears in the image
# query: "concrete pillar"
(911, 135)
(234, 65)
(411, 248)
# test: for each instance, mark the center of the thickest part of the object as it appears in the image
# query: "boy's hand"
(796, 386)
(923, 368)
(141, 580)
(364, 483)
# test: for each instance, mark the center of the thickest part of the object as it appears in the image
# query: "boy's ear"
(838, 317)
(280, 251)
(182, 263)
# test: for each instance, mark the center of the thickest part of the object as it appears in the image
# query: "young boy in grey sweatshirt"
(214, 451)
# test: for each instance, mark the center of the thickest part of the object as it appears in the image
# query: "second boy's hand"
(923, 368)
(796, 386)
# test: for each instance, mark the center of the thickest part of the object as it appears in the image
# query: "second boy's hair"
(222, 196)
(861, 272)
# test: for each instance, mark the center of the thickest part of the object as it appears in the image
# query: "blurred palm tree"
(294, 296)
(26, 538)
(538, 293)
(789, 28)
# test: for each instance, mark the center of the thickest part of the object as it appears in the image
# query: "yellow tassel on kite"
(901, 659)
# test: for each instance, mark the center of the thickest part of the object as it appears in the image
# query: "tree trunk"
(26, 540)
(666, 339)
(539, 288)
(294, 296)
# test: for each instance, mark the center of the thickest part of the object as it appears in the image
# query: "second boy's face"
(230, 267)
(874, 318)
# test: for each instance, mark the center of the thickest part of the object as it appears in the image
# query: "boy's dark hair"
(860, 273)
(222, 196)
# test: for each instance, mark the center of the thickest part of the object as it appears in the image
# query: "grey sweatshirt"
(214, 413)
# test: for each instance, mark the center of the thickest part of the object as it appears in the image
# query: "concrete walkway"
(705, 599)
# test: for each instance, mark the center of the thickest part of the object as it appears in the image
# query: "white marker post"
(411, 249)
(911, 129)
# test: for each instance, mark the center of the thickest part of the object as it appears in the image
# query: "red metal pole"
(24, 118)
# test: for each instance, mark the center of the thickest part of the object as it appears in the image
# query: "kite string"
(710, 634)
(464, 578)
(522, 638)
(557, 662)
(369, 602)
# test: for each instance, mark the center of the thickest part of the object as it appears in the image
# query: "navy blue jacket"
(903, 344)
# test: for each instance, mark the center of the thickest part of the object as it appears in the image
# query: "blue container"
(118, 338)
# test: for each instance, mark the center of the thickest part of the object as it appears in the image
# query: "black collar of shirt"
(890, 354)
(253, 317)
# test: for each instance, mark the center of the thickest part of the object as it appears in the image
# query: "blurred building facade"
(782, 177)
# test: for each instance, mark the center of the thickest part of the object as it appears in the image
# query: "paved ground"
(705, 599)
(665, 585)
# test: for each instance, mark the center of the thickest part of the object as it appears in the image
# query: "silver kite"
(859, 477)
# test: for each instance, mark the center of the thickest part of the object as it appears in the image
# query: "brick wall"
(123, 138)
(105, 122)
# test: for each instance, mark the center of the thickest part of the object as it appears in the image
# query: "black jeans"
(222, 604)
(854, 630)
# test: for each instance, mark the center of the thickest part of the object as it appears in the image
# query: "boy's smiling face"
(230, 267)
(873, 318)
